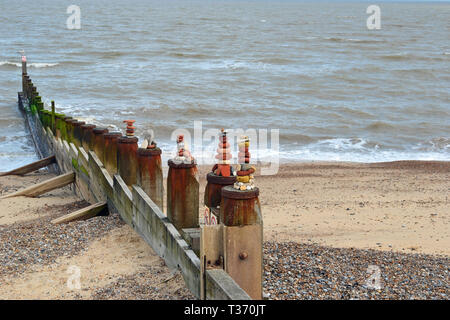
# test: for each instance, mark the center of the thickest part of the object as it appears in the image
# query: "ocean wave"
(337, 39)
(379, 126)
(30, 65)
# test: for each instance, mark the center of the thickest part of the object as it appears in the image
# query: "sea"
(315, 80)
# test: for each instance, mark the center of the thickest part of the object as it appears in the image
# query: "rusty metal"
(150, 176)
(127, 163)
(240, 207)
(243, 255)
(98, 142)
(87, 136)
(214, 185)
(183, 195)
(110, 151)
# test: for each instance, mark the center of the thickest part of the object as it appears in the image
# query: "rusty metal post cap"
(181, 165)
(100, 130)
(112, 135)
(88, 126)
(232, 193)
(213, 178)
(77, 123)
(149, 152)
(128, 140)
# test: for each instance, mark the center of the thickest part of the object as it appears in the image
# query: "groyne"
(217, 261)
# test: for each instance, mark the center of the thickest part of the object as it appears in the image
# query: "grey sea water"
(333, 88)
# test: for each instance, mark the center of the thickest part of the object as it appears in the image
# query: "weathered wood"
(183, 195)
(192, 237)
(211, 252)
(220, 286)
(137, 209)
(45, 186)
(244, 257)
(150, 175)
(83, 214)
(31, 167)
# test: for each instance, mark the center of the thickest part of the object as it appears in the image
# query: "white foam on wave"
(32, 65)
(339, 149)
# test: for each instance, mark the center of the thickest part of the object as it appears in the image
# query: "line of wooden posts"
(234, 245)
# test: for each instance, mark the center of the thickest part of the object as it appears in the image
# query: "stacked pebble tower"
(223, 167)
(244, 171)
(183, 155)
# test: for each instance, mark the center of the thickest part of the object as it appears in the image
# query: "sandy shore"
(324, 225)
(399, 206)
(39, 260)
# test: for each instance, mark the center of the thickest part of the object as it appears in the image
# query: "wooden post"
(25, 85)
(127, 163)
(24, 73)
(44, 187)
(110, 158)
(64, 128)
(34, 93)
(29, 86)
(240, 212)
(83, 214)
(77, 133)
(69, 129)
(150, 176)
(31, 167)
(183, 195)
(53, 119)
(213, 190)
(87, 136)
(98, 143)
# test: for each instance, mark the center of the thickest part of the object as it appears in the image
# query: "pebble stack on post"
(150, 176)
(127, 163)
(183, 189)
(240, 213)
(221, 175)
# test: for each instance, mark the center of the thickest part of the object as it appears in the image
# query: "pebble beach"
(312, 272)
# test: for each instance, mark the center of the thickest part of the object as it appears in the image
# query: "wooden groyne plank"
(45, 186)
(31, 167)
(83, 214)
